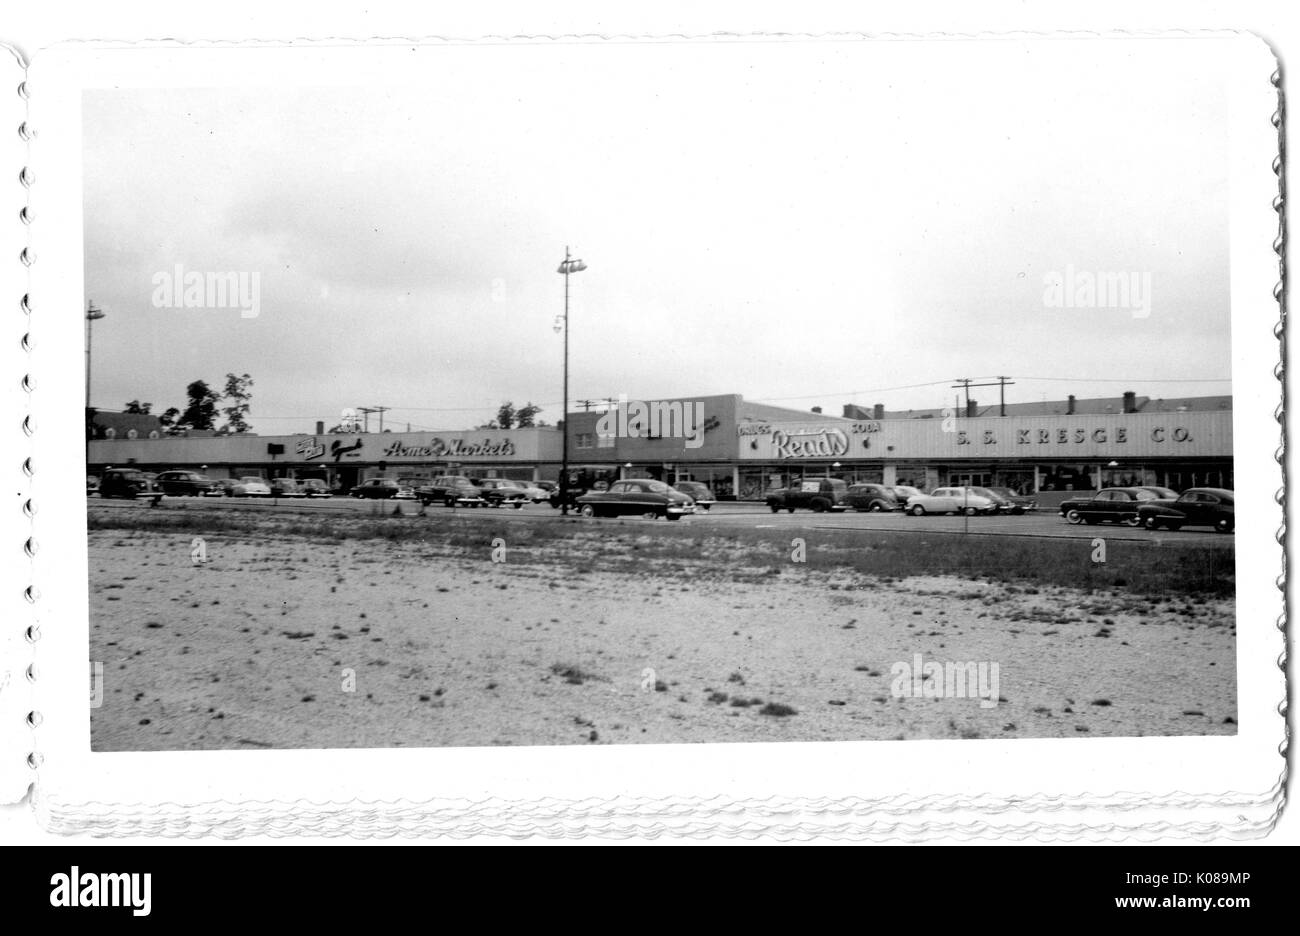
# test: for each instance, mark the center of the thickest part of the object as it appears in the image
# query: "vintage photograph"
(656, 393)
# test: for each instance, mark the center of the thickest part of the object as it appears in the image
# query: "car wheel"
(1074, 516)
(1130, 521)
(789, 510)
(916, 510)
(875, 507)
(518, 504)
(774, 508)
(450, 502)
(1223, 525)
(588, 511)
(971, 511)
(1151, 523)
(672, 516)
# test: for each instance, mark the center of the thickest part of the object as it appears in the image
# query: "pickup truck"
(817, 494)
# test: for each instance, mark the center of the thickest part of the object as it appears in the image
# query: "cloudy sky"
(807, 223)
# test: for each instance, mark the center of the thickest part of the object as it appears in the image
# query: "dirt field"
(286, 641)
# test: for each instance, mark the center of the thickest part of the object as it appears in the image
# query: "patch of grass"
(742, 555)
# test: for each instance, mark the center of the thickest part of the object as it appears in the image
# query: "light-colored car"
(950, 500)
(286, 487)
(251, 486)
(535, 494)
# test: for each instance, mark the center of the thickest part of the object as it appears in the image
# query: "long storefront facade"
(741, 449)
(344, 460)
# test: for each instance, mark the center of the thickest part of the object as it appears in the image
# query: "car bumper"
(681, 508)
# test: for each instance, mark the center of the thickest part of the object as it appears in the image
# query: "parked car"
(872, 497)
(130, 484)
(816, 494)
(550, 487)
(452, 490)
(1111, 505)
(376, 488)
(534, 492)
(405, 491)
(92, 485)
(178, 483)
(1020, 503)
(314, 487)
(642, 496)
(286, 487)
(500, 491)
(905, 492)
(950, 500)
(1212, 507)
(250, 486)
(697, 492)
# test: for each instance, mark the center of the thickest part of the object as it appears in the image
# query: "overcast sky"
(806, 223)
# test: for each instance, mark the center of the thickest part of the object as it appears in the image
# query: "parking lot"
(1040, 524)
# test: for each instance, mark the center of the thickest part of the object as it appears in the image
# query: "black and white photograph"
(763, 392)
(694, 435)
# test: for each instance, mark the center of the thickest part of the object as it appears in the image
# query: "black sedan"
(1112, 505)
(500, 492)
(178, 483)
(381, 488)
(636, 497)
(130, 484)
(872, 497)
(1212, 507)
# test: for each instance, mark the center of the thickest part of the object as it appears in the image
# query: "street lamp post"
(93, 312)
(569, 265)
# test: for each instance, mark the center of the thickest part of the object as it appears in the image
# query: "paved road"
(1043, 524)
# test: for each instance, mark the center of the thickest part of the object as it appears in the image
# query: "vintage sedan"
(286, 487)
(376, 488)
(1019, 503)
(905, 492)
(872, 497)
(1111, 505)
(250, 486)
(178, 483)
(452, 490)
(697, 492)
(636, 497)
(1212, 507)
(130, 484)
(500, 492)
(314, 487)
(950, 500)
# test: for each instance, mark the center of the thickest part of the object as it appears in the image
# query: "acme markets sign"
(455, 448)
(809, 443)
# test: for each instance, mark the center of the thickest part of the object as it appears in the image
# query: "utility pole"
(965, 383)
(365, 412)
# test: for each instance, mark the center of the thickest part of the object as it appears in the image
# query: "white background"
(31, 27)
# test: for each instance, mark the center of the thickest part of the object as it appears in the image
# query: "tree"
(168, 418)
(237, 392)
(201, 412)
(525, 416)
(137, 408)
(506, 415)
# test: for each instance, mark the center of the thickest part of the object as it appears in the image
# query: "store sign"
(809, 443)
(455, 448)
(309, 448)
(1119, 435)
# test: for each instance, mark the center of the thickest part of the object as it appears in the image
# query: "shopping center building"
(742, 448)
